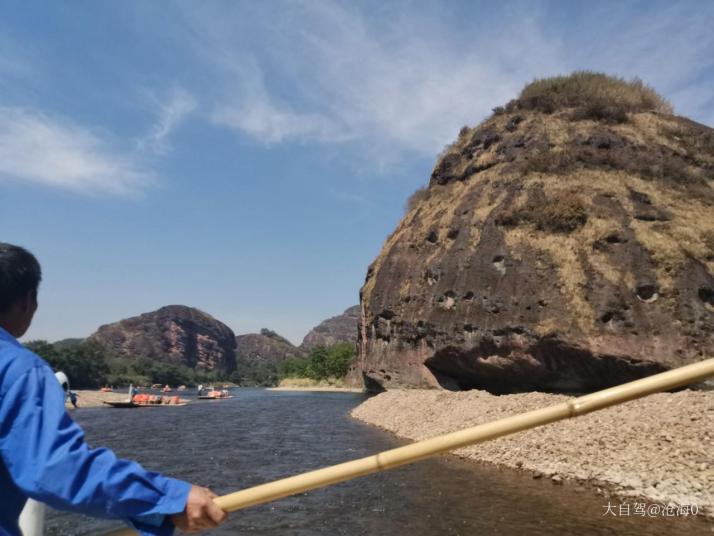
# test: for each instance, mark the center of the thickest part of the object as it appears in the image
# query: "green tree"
(322, 363)
(339, 359)
(84, 365)
(318, 367)
(293, 368)
(46, 351)
(251, 372)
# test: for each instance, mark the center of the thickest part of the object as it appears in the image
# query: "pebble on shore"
(660, 448)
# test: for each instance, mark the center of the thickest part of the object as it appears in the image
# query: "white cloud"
(398, 81)
(45, 150)
(334, 75)
(256, 113)
(171, 112)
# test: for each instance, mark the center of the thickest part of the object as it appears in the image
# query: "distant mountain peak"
(340, 328)
(175, 334)
(265, 346)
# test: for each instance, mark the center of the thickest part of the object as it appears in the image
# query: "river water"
(260, 435)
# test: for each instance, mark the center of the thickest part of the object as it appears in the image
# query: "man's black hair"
(20, 275)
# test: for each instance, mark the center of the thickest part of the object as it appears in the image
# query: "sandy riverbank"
(317, 389)
(95, 399)
(306, 384)
(659, 449)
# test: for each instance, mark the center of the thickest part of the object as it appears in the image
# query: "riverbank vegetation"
(89, 366)
(84, 363)
(323, 363)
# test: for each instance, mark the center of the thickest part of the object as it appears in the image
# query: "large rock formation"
(265, 346)
(565, 243)
(341, 328)
(173, 334)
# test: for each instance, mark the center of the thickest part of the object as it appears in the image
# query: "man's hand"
(200, 512)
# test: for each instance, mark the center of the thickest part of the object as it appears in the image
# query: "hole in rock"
(499, 264)
(607, 317)
(707, 295)
(647, 293)
(432, 237)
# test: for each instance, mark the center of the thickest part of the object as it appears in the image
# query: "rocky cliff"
(173, 334)
(341, 328)
(566, 243)
(265, 346)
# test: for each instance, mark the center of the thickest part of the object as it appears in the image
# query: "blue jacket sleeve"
(46, 455)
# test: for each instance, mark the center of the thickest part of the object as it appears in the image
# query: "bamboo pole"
(430, 447)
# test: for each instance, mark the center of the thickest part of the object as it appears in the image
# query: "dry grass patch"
(419, 195)
(591, 95)
(562, 212)
(563, 249)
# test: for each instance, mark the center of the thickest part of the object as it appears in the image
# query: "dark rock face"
(341, 328)
(548, 253)
(265, 346)
(173, 334)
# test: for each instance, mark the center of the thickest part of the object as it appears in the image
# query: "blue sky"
(249, 158)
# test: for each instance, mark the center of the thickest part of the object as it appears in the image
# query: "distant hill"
(174, 334)
(265, 346)
(341, 328)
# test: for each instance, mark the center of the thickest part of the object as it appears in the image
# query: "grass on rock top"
(594, 96)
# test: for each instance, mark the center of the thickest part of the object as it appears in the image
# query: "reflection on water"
(260, 436)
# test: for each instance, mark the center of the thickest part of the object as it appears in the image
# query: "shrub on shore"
(84, 363)
(323, 363)
(255, 373)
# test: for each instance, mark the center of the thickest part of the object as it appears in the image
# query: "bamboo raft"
(130, 404)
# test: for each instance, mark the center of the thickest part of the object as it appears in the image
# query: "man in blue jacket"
(43, 454)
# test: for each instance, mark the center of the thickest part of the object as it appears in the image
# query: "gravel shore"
(659, 449)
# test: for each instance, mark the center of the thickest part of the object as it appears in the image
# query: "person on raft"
(43, 454)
